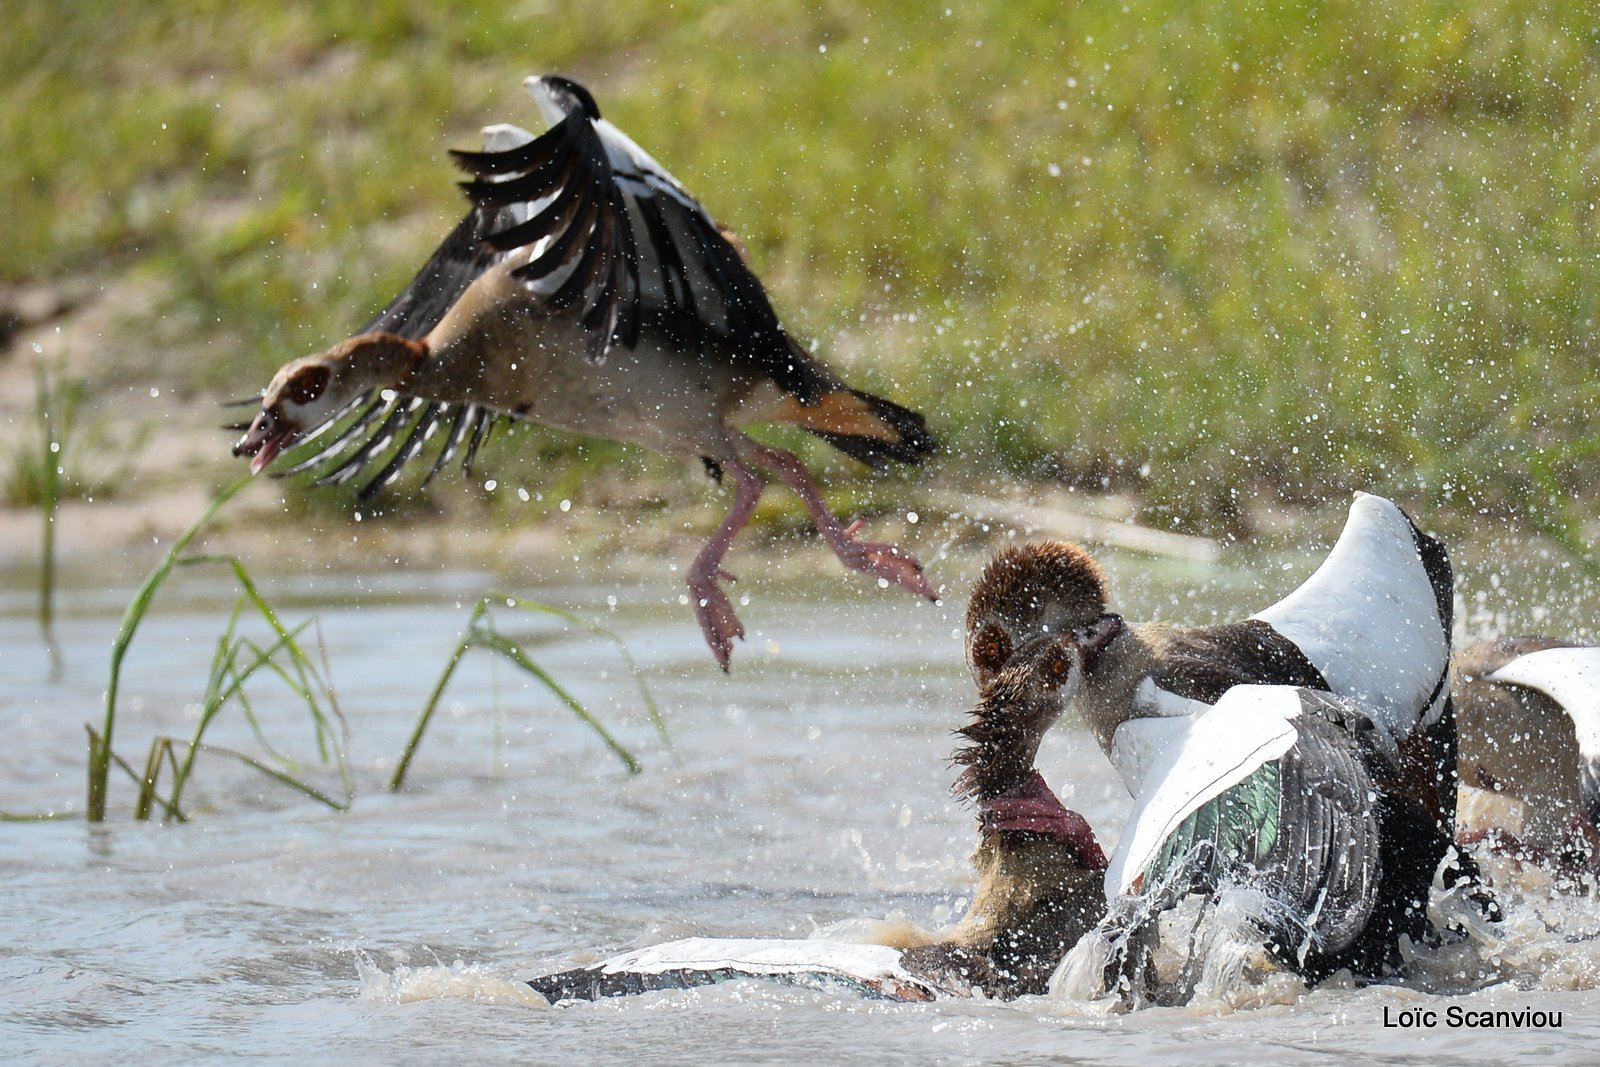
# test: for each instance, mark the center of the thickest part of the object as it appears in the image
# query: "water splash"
(457, 981)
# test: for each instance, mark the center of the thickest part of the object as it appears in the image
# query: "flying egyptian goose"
(1528, 709)
(588, 291)
(1040, 872)
(1372, 625)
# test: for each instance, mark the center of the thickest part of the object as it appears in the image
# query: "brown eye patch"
(991, 648)
(308, 384)
(1057, 666)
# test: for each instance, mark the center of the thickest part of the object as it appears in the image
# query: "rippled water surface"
(808, 787)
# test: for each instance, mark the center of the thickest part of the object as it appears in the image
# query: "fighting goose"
(1529, 715)
(1372, 625)
(1040, 871)
(1038, 863)
(1284, 792)
(588, 291)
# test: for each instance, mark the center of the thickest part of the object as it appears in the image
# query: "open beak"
(264, 439)
(1098, 635)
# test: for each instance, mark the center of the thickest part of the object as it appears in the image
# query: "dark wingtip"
(570, 93)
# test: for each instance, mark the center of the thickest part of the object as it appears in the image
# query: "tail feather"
(891, 432)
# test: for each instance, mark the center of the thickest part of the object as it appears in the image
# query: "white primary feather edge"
(765, 956)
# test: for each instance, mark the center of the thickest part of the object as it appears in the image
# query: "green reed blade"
(492, 639)
(397, 779)
(100, 751)
(621, 647)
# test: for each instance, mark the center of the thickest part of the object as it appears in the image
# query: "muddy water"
(808, 788)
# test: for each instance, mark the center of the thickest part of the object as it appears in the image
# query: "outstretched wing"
(874, 970)
(603, 230)
(1186, 762)
(1270, 785)
(1375, 618)
(1571, 678)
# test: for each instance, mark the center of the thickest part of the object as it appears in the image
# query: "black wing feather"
(638, 250)
(438, 285)
(606, 237)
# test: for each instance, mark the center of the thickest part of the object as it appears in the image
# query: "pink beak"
(264, 440)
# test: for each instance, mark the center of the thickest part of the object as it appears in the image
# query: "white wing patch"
(1570, 677)
(503, 137)
(874, 966)
(1187, 761)
(1368, 618)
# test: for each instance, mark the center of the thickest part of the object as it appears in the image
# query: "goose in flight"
(587, 290)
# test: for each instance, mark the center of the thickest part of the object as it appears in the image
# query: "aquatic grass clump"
(235, 661)
(481, 632)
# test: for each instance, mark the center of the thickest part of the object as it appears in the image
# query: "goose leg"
(712, 607)
(881, 560)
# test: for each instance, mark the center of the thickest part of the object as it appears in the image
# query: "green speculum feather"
(1238, 826)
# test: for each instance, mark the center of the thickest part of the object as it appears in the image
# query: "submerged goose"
(1040, 871)
(588, 291)
(1040, 868)
(1371, 625)
(1529, 713)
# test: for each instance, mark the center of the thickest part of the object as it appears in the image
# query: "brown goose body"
(1039, 867)
(1529, 786)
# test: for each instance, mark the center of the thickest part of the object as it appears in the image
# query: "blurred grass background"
(1205, 253)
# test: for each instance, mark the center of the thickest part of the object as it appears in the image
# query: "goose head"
(1039, 589)
(306, 393)
(1014, 710)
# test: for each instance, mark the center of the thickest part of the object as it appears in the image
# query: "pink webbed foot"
(889, 562)
(714, 611)
(1032, 807)
(883, 560)
(712, 608)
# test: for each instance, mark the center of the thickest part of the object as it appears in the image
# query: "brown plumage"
(1141, 670)
(1040, 873)
(1055, 588)
(1521, 746)
(588, 291)
(1039, 866)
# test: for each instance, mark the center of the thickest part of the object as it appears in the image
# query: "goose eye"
(1057, 666)
(308, 385)
(991, 648)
